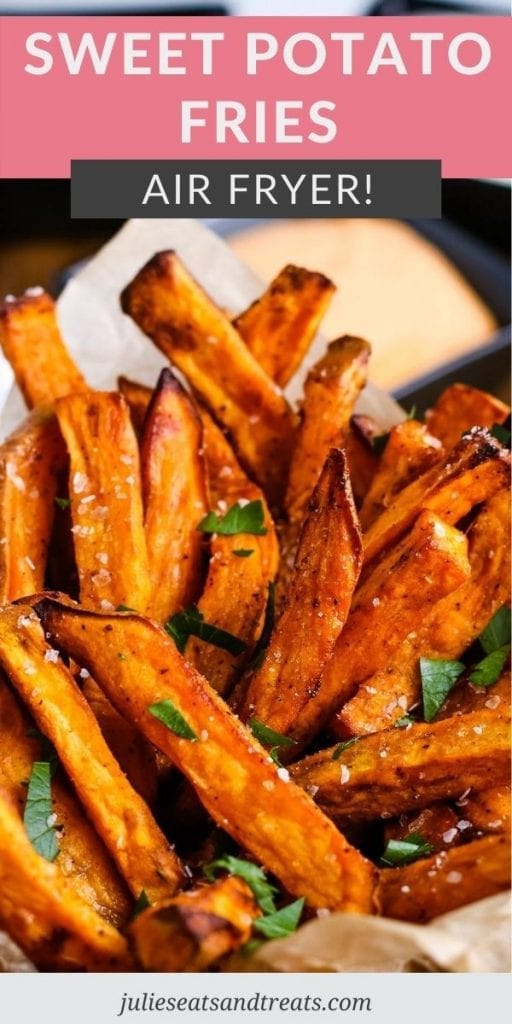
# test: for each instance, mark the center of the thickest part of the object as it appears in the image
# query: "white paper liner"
(105, 343)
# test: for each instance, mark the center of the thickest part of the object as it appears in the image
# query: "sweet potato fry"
(362, 459)
(437, 825)
(106, 504)
(169, 306)
(238, 783)
(410, 451)
(279, 327)
(400, 770)
(461, 407)
(174, 497)
(235, 592)
(331, 389)
(433, 886)
(137, 397)
(31, 341)
(30, 463)
(83, 860)
(431, 560)
(44, 914)
(489, 810)
(465, 697)
(475, 469)
(284, 692)
(135, 755)
(195, 929)
(453, 624)
(120, 816)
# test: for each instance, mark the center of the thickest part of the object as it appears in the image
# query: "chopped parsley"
(438, 677)
(404, 851)
(497, 632)
(269, 738)
(337, 752)
(124, 608)
(63, 503)
(38, 816)
(404, 721)
(190, 622)
(501, 433)
(281, 923)
(240, 518)
(141, 904)
(251, 874)
(168, 714)
(243, 552)
(489, 669)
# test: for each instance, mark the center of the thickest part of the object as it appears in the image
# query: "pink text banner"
(126, 88)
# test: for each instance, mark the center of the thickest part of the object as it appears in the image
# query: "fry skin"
(279, 327)
(238, 783)
(31, 460)
(406, 769)
(454, 622)
(174, 497)
(474, 470)
(33, 345)
(421, 891)
(362, 459)
(461, 407)
(137, 397)
(410, 451)
(120, 816)
(82, 859)
(431, 560)
(234, 596)
(330, 392)
(489, 810)
(106, 504)
(43, 913)
(284, 692)
(182, 321)
(195, 929)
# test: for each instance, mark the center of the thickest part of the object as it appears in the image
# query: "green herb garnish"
(38, 816)
(497, 632)
(243, 552)
(269, 738)
(248, 518)
(501, 433)
(404, 721)
(63, 503)
(489, 669)
(438, 677)
(281, 923)
(141, 904)
(253, 875)
(168, 714)
(190, 622)
(404, 851)
(337, 752)
(125, 608)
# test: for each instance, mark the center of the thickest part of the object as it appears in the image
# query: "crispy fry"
(121, 817)
(362, 459)
(240, 786)
(461, 407)
(174, 496)
(475, 469)
(169, 306)
(82, 860)
(331, 389)
(195, 929)
(433, 886)
(465, 697)
(400, 770)
(431, 560)
(235, 593)
(284, 692)
(106, 505)
(410, 451)
(30, 463)
(453, 624)
(135, 755)
(437, 825)
(31, 341)
(279, 327)
(44, 914)
(137, 397)
(489, 810)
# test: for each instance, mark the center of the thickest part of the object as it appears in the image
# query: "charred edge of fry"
(137, 397)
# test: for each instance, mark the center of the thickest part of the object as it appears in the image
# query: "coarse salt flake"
(14, 477)
(454, 877)
(79, 482)
(51, 655)
(449, 835)
(344, 774)
(405, 888)
(283, 774)
(268, 784)
(204, 735)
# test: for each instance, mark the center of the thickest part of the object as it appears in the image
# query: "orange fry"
(410, 451)
(461, 407)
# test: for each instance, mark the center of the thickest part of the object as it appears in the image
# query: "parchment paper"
(105, 343)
